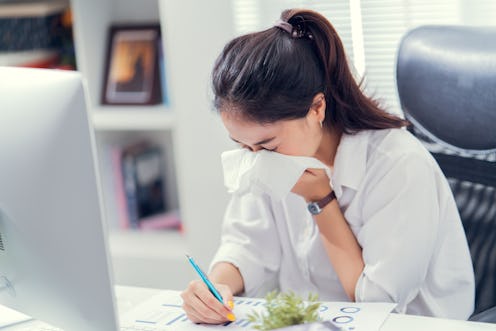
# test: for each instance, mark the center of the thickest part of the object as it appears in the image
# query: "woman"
(384, 227)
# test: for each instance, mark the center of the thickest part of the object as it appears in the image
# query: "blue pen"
(205, 279)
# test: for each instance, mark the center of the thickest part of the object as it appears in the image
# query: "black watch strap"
(326, 200)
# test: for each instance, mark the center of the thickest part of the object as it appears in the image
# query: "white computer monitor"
(54, 263)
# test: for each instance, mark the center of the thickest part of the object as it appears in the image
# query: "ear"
(318, 107)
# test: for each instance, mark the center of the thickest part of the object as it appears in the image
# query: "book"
(162, 71)
(120, 193)
(37, 34)
(30, 8)
(31, 25)
(129, 180)
(40, 58)
(143, 186)
(167, 220)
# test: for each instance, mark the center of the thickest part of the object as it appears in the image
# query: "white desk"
(128, 297)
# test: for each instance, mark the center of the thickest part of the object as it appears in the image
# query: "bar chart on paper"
(164, 311)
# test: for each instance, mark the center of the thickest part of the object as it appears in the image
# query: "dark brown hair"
(274, 75)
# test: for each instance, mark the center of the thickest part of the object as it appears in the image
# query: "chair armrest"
(486, 316)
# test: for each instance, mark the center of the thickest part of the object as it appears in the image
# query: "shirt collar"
(350, 161)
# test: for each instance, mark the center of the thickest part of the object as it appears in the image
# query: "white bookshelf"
(189, 132)
(133, 118)
(150, 258)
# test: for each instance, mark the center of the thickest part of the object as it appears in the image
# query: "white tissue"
(265, 172)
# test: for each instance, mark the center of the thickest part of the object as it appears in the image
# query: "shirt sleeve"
(250, 242)
(401, 221)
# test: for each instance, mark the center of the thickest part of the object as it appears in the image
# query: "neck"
(328, 147)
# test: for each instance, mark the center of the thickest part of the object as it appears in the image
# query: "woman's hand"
(313, 185)
(201, 306)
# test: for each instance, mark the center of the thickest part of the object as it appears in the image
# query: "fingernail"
(230, 304)
(231, 317)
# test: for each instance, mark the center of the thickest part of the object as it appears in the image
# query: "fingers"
(226, 294)
(201, 306)
(202, 315)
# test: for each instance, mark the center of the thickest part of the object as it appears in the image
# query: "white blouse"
(402, 212)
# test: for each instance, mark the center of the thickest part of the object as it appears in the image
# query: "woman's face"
(300, 137)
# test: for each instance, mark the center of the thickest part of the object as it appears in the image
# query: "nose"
(253, 149)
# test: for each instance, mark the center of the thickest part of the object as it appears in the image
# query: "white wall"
(194, 34)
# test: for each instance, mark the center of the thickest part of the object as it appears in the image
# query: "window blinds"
(253, 15)
(372, 50)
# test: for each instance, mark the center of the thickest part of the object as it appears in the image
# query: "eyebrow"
(261, 142)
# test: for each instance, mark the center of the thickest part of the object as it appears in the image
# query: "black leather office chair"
(446, 78)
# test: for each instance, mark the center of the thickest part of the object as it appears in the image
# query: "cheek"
(307, 143)
(300, 139)
(299, 146)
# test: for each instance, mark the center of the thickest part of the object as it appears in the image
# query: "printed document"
(164, 312)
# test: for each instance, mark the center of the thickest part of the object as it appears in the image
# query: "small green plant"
(285, 309)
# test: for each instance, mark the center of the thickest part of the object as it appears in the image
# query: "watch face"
(313, 208)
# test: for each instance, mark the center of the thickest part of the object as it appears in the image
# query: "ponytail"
(274, 74)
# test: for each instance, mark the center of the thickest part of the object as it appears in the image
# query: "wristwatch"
(316, 207)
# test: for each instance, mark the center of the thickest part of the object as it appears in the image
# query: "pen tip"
(187, 256)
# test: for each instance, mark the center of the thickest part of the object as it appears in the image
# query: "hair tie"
(284, 26)
(298, 31)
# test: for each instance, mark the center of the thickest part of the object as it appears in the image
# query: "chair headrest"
(446, 78)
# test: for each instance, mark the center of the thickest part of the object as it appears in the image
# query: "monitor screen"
(53, 249)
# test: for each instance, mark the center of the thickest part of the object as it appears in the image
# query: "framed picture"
(132, 73)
